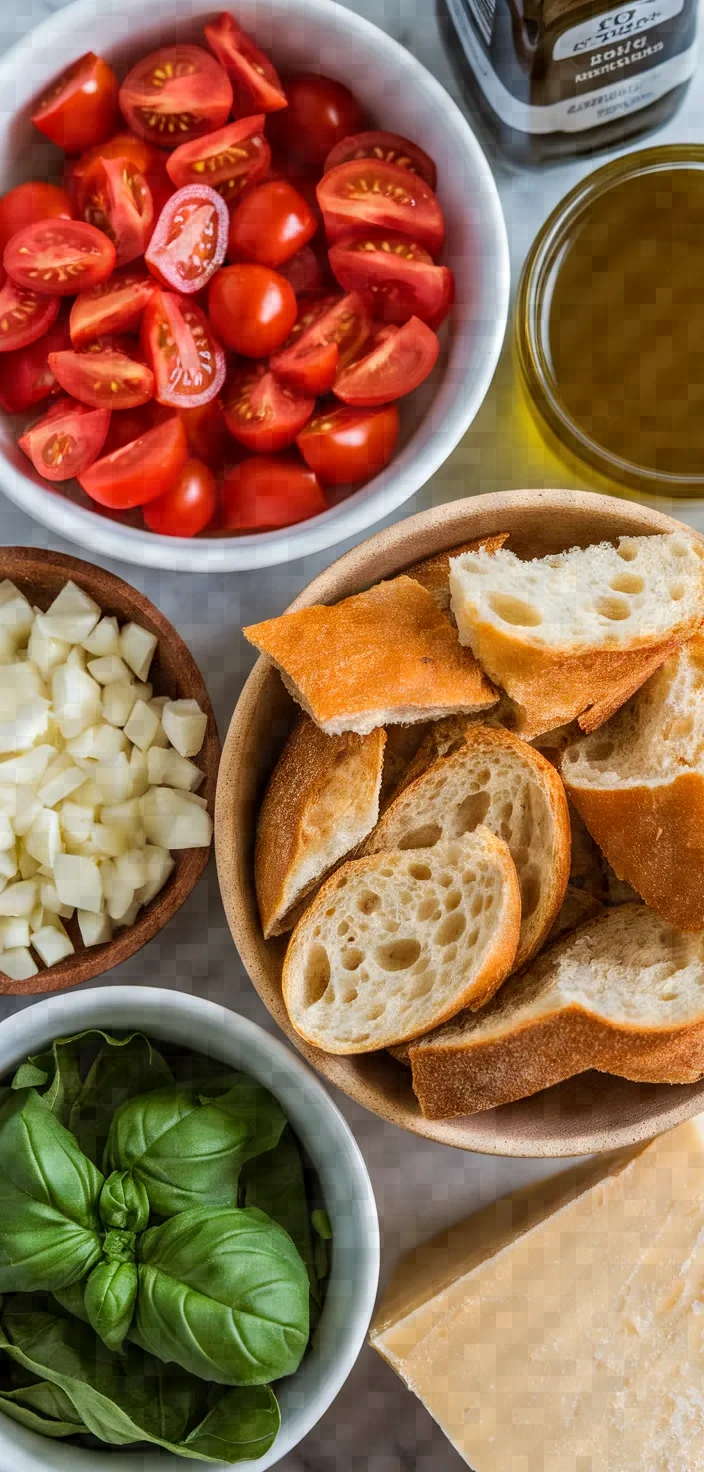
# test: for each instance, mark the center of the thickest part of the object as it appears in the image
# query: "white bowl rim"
(63, 1013)
(363, 508)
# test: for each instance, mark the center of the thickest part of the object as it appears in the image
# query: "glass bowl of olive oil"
(610, 321)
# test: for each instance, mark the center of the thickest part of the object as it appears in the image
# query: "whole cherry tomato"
(252, 309)
(188, 507)
(321, 112)
(270, 224)
(347, 445)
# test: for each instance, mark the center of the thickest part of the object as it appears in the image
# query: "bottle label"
(580, 76)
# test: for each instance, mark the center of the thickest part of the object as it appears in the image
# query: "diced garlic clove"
(97, 743)
(185, 725)
(172, 820)
(128, 917)
(110, 840)
(52, 945)
(78, 882)
(19, 898)
(159, 865)
(168, 769)
(114, 779)
(18, 964)
(109, 669)
(118, 703)
(137, 647)
(50, 900)
(104, 639)
(73, 615)
(43, 841)
(46, 651)
(96, 930)
(60, 779)
(77, 700)
(14, 931)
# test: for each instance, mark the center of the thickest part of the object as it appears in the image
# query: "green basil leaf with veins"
(223, 1293)
(59, 1069)
(275, 1183)
(243, 1424)
(187, 1148)
(72, 1300)
(123, 1068)
(124, 1202)
(109, 1299)
(49, 1225)
(44, 1408)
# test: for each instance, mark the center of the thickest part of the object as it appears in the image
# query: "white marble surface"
(375, 1425)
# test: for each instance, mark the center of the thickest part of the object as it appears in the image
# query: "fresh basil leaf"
(30, 1076)
(123, 1068)
(109, 1298)
(187, 1148)
(49, 1226)
(243, 1424)
(124, 1202)
(57, 1067)
(224, 1294)
(72, 1300)
(275, 1183)
(121, 1399)
(42, 1407)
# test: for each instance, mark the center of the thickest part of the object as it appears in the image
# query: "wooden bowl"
(589, 1113)
(40, 576)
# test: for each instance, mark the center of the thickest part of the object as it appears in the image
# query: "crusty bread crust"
(626, 682)
(433, 573)
(463, 746)
(653, 837)
(466, 1075)
(387, 655)
(322, 798)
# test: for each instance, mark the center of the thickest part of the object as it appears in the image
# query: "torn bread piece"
(434, 572)
(384, 657)
(575, 634)
(321, 801)
(623, 994)
(396, 942)
(492, 777)
(638, 784)
(402, 744)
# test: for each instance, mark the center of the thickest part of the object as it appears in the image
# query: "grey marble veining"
(375, 1425)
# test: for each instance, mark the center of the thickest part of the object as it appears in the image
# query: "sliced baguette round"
(573, 635)
(490, 776)
(398, 942)
(321, 801)
(638, 785)
(623, 994)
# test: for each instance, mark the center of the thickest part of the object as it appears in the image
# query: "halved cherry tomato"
(400, 359)
(115, 305)
(270, 224)
(80, 109)
(266, 491)
(140, 471)
(188, 507)
(67, 440)
(262, 413)
(388, 148)
(399, 276)
(307, 361)
(303, 271)
(120, 204)
(59, 257)
(187, 361)
(344, 446)
(255, 83)
(175, 94)
(122, 145)
(230, 160)
(25, 375)
(31, 202)
(103, 377)
(252, 309)
(127, 425)
(190, 239)
(206, 432)
(321, 112)
(24, 316)
(364, 195)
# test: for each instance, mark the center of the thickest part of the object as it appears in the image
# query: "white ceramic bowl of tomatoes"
(254, 286)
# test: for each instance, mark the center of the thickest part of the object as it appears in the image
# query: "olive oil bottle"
(558, 78)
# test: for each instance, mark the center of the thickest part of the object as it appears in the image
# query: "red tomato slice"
(127, 425)
(59, 257)
(122, 145)
(266, 491)
(175, 94)
(345, 446)
(321, 112)
(115, 305)
(188, 507)
(24, 316)
(364, 195)
(206, 432)
(190, 239)
(188, 363)
(120, 204)
(252, 309)
(140, 471)
(387, 148)
(262, 413)
(67, 440)
(399, 276)
(103, 377)
(230, 160)
(399, 361)
(306, 361)
(303, 271)
(25, 375)
(270, 224)
(29, 203)
(80, 109)
(255, 83)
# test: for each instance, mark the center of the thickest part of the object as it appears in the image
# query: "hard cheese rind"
(562, 1329)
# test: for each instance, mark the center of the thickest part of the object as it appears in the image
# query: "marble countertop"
(375, 1425)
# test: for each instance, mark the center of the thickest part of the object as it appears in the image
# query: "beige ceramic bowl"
(592, 1112)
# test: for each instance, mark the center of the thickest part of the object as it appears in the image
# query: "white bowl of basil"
(189, 1245)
